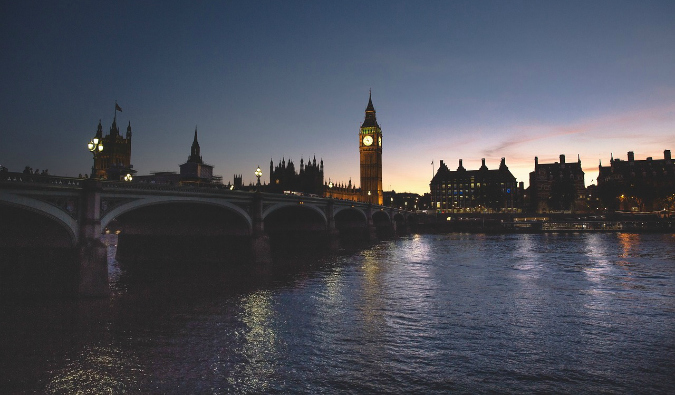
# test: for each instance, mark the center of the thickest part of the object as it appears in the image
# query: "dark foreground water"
(588, 313)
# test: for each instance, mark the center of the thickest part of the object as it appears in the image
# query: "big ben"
(370, 148)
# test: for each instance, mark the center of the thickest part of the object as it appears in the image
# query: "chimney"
(536, 161)
(666, 154)
(441, 163)
(562, 158)
(631, 156)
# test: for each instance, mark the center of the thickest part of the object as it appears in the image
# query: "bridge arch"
(356, 210)
(381, 217)
(44, 209)
(151, 201)
(291, 205)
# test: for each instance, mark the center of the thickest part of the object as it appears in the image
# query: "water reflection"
(258, 344)
(630, 243)
(97, 370)
(371, 306)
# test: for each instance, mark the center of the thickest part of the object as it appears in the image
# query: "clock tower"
(370, 149)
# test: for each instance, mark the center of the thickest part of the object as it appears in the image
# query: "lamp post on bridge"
(330, 188)
(95, 146)
(258, 173)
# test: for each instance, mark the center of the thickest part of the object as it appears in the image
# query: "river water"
(462, 313)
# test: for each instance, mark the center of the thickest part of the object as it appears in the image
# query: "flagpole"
(115, 118)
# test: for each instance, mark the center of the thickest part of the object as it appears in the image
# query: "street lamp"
(330, 188)
(258, 173)
(95, 146)
(128, 177)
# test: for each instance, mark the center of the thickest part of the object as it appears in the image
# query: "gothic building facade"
(114, 160)
(482, 190)
(285, 178)
(370, 150)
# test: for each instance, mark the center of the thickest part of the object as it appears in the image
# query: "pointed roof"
(195, 154)
(371, 120)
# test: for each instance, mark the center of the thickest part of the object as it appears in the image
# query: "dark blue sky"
(273, 79)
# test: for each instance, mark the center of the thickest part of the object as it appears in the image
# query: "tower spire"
(195, 154)
(371, 119)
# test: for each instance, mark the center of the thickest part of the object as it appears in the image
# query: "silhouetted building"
(114, 161)
(637, 185)
(192, 172)
(557, 186)
(238, 183)
(195, 171)
(481, 190)
(284, 177)
(404, 200)
(370, 149)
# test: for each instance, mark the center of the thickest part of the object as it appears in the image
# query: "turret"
(99, 131)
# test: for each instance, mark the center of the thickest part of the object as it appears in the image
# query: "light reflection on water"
(97, 370)
(423, 314)
(258, 345)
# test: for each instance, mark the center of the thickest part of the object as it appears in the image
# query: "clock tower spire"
(370, 149)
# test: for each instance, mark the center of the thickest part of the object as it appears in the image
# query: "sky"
(265, 80)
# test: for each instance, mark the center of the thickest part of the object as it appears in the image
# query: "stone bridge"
(45, 216)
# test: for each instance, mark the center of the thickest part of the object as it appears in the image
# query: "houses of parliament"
(113, 162)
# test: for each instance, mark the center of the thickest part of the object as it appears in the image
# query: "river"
(460, 313)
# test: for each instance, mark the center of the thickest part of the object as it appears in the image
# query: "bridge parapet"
(11, 178)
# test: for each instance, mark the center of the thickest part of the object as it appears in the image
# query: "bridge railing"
(14, 178)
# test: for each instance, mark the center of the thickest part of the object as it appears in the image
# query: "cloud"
(616, 125)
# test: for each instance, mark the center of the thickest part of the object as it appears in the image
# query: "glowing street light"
(258, 173)
(128, 178)
(330, 188)
(95, 146)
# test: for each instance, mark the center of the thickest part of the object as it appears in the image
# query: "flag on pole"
(117, 107)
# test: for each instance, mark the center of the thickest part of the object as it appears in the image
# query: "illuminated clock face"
(379, 141)
(368, 140)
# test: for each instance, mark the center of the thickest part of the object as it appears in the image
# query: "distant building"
(638, 185)
(370, 164)
(195, 171)
(481, 190)
(284, 177)
(342, 191)
(405, 200)
(114, 161)
(192, 172)
(557, 186)
(370, 153)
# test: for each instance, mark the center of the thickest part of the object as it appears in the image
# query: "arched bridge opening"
(383, 225)
(37, 254)
(296, 230)
(164, 237)
(352, 225)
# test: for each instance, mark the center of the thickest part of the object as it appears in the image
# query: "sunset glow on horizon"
(269, 80)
